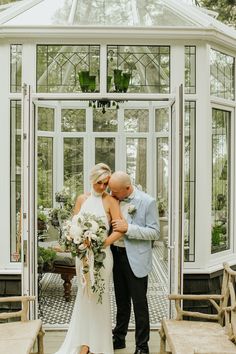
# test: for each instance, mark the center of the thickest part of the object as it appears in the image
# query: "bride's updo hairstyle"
(99, 172)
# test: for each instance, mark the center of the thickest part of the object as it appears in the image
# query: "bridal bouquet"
(84, 237)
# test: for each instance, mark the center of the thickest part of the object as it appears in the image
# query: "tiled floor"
(53, 340)
(55, 312)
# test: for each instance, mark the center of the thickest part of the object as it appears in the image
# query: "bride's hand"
(105, 243)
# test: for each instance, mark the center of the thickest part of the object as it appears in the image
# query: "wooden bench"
(179, 336)
(19, 337)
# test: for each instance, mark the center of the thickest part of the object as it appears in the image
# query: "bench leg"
(67, 285)
(163, 342)
(40, 341)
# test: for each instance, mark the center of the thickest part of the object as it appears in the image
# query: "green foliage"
(63, 212)
(3, 2)
(225, 8)
(45, 177)
(60, 213)
(45, 258)
(218, 232)
(42, 215)
(162, 205)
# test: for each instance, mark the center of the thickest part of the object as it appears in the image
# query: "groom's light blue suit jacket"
(143, 228)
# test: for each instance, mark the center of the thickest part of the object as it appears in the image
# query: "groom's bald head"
(121, 178)
(120, 185)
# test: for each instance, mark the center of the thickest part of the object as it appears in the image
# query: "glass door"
(176, 193)
(27, 217)
(66, 139)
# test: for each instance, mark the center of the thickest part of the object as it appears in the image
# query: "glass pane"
(45, 172)
(16, 67)
(45, 119)
(162, 175)
(73, 120)
(105, 151)
(162, 120)
(136, 161)
(190, 69)
(138, 69)
(128, 13)
(101, 13)
(15, 180)
(136, 120)
(189, 181)
(220, 180)
(68, 68)
(105, 121)
(222, 75)
(74, 165)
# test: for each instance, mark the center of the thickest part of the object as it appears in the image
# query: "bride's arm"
(79, 201)
(115, 213)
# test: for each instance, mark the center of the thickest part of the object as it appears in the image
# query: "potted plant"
(162, 206)
(125, 81)
(53, 214)
(46, 257)
(118, 79)
(109, 78)
(92, 83)
(63, 196)
(84, 80)
(42, 219)
(62, 212)
(218, 235)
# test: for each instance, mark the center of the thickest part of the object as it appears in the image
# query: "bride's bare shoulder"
(79, 201)
(110, 199)
(82, 197)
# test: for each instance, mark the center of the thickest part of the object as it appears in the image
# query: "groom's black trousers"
(128, 287)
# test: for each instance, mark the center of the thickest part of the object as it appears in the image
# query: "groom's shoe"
(141, 351)
(118, 344)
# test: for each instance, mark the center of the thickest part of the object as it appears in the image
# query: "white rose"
(88, 234)
(94, 226)
(94, 237)
(76, 230)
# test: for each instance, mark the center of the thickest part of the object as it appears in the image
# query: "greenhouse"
(147, 87)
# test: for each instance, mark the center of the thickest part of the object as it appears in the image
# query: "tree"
(225, 8)
(4, 2)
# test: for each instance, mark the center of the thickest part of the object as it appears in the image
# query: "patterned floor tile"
(55, 311)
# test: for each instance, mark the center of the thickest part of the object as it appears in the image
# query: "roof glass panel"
(101, 13)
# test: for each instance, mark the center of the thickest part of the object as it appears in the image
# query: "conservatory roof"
(111, 13)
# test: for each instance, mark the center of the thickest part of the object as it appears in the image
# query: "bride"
(90, 328)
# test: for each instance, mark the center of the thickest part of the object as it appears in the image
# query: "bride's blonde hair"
(99, 172)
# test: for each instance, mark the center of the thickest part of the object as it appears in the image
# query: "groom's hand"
(120, 225)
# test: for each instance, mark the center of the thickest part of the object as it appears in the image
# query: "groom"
(132, 259)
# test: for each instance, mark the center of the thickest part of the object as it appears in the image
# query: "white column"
(177, 66)
(5, 264)
(29, 65)
(203, 163)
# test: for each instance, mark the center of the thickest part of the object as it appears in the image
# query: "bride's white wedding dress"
(91, 321)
